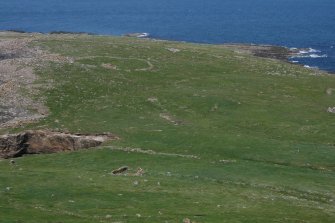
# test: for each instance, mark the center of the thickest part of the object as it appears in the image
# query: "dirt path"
(150, 66)
(150, 152)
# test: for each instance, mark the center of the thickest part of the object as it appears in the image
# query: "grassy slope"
(266, 119)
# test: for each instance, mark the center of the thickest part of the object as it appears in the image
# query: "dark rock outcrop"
(266, 51)
(36, 142)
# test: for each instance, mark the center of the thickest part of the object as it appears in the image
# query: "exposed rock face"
(36, 142)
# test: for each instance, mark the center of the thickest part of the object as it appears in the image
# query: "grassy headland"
(231, 137)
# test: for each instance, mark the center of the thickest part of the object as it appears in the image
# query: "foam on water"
(303, 52)
(311, 58)
(309, 53)
(311, 50)
(318, 56)
(143, 35)
(311, 67)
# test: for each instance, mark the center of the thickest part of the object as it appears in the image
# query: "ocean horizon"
(307, 24)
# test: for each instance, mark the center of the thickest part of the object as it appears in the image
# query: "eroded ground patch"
(37, 142)
(18, 58)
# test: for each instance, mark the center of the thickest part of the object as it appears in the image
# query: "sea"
(308, 24)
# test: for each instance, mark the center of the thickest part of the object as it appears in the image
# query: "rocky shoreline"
(266, 51)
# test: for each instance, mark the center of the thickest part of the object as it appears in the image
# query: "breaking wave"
(308, 53)
(311, 67)
(318, 56)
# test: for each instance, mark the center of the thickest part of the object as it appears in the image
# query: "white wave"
(308, 51)
(318, 56)
(311, 50)
(143, 35)
(295, 61)
(310, 67)
(303, 52)
(300, 56)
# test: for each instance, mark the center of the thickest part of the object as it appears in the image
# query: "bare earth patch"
(17, 78)
(170, 118)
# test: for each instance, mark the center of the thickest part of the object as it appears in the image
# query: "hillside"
(221, 135)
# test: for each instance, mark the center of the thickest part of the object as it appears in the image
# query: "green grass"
(259, 127)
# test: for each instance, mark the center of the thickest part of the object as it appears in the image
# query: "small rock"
(330, 91)
(173, 50)
(109, 66)
(108, 216)
(120, 170)
(227, 161)
(139, 172)
(331, 110)
(152, 99)
(186, 220)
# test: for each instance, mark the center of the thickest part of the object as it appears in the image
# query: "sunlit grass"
(258, 128)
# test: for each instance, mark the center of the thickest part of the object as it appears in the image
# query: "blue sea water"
(291, 23)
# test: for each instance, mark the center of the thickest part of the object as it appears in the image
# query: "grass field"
(222, 136)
